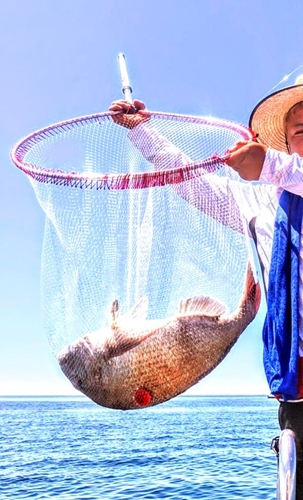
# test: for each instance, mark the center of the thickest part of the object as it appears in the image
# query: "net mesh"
(134, 213)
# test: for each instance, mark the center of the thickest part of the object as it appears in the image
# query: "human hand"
(130, 114)
(247, 158)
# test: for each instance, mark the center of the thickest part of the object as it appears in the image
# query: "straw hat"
(267, 119)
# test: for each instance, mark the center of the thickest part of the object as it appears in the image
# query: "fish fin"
(139, 310)
(114, 312)
(252, 290)
(200, 305)
(125, 333)
(122, 341)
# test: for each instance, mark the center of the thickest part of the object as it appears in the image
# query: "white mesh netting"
(129, 216)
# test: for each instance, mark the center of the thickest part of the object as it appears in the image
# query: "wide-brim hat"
(267, 118)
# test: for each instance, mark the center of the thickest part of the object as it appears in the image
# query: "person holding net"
(278, 160)
(272, 211)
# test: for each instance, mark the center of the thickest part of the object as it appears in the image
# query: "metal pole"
(126, 88)
(286, 489)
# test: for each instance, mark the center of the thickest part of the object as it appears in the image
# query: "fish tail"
(252, 292)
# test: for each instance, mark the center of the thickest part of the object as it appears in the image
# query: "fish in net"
(147, 273)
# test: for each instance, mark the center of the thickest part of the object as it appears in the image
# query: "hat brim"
(267, 118)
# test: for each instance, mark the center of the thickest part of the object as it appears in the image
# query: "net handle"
(126, 88)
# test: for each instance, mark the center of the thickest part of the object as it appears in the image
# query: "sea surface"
(188, 448)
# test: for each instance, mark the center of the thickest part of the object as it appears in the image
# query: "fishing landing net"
(147, 212)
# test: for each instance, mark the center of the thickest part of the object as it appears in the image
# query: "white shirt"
(256, 202)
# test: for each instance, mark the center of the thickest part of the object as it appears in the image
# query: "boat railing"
(285, 449)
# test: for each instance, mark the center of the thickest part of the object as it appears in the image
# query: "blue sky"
(59, 61)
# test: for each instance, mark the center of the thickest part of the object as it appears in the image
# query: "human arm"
(154, 147)
(218, 197)
(283, 171)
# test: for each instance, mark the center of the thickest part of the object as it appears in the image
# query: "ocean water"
(188, 448)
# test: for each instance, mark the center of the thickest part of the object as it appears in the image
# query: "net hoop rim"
(137, 180)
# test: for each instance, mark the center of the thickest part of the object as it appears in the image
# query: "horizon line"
(2, 396)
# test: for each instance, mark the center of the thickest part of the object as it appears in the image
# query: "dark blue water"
(189, 448)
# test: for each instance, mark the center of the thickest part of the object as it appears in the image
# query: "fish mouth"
(77, 361)
(69, 351)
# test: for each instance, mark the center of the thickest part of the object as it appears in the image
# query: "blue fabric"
(281, 328)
